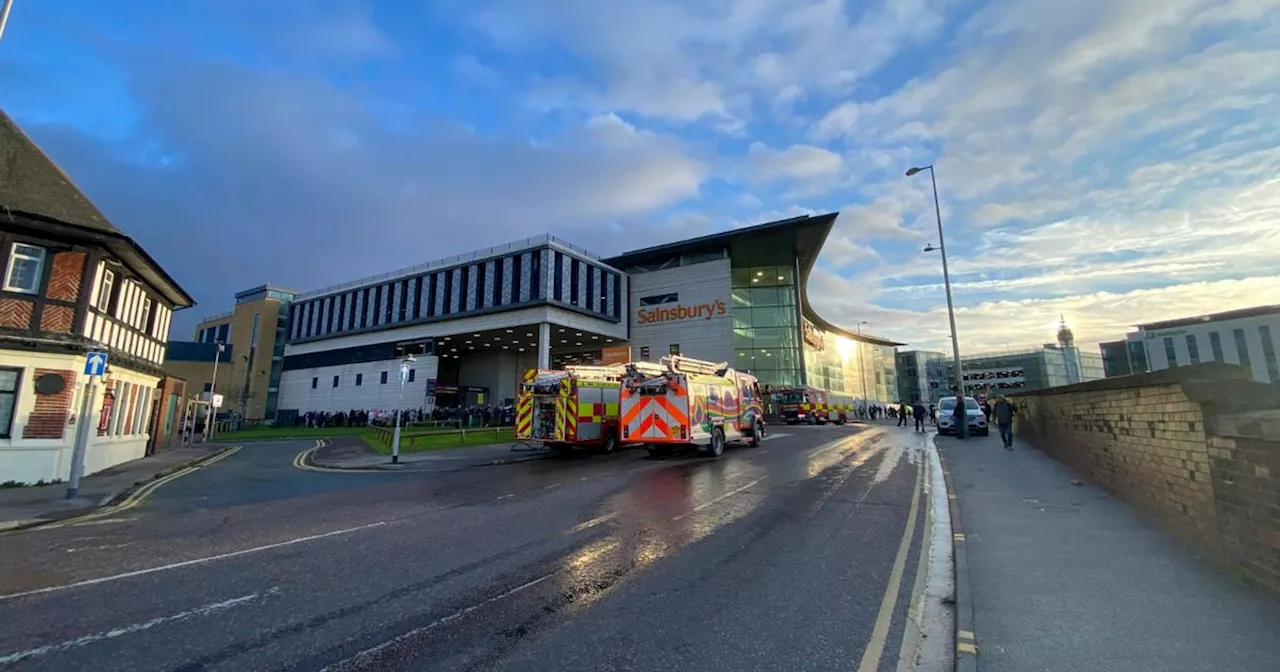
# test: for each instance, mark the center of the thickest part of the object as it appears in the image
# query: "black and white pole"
(95, 364)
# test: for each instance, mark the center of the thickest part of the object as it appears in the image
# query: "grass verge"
(416, 442)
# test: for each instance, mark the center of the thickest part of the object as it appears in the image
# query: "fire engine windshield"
(793, 397)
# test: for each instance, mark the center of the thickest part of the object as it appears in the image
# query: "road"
(790, 556)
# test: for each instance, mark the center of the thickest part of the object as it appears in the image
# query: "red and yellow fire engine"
(690, 402)
(814, 405)
(568, 408)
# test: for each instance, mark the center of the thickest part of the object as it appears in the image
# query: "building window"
(412, 374)
(8, 399)
(1193, 349)
(384, 378)
(103, 300)
(644, 353)
(147, 309)
(315, 382)
(1169, 352)
(359, 379)
(1268, 353)
(1242, 349)
(335, 381)
(1215, 343)
(674, 349)
(26, 267)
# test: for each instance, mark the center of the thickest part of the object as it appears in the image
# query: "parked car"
(946, 419)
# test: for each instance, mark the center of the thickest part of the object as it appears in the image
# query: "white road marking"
(771, 435)
(105, 521)
(435, 624)
(131, 629)
(186, 563)
(704, 505)
(99, 548)
(586, 525)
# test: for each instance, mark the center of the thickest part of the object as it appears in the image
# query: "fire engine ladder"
(611, 370)
(689, 365)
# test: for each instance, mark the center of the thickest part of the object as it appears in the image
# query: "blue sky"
(1115, 161)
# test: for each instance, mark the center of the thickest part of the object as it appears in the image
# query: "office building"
(1244, 337)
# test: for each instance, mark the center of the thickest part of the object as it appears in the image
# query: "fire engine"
(573, 407)
(690, 402)
(816, 406)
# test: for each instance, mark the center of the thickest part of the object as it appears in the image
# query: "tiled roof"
(31, 183)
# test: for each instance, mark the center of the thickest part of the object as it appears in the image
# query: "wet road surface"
(769, 558)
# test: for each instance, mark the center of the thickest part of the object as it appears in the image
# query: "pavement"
(35, 505)
(1065, 578)
(804, 553)
(350, 453)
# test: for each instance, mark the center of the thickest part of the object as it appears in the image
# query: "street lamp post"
(404, 378)
(946, 281)
(211, 412)
(4, 15)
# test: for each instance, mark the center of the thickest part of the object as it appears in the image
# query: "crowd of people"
(458, 416)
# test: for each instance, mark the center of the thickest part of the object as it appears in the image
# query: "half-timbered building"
(73, 283)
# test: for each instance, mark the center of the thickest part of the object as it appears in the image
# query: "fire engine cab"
(574, 407)
(690, 402)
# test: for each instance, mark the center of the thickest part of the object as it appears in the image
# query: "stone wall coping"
(1208, 371)
(1263, 425)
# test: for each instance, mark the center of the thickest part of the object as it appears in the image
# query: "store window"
(764, 324)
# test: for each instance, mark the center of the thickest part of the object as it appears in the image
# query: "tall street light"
(211, 412)
(4, 15)
(946, 281)
(404, 378)
(862, 372)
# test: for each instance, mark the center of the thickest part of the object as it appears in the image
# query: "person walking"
(960, 415)
(933, 414)
(1003, 412)
(902, 414)
(918, 411)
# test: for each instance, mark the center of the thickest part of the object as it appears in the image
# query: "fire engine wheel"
(757, 433)
(609, 444)
(716, 447)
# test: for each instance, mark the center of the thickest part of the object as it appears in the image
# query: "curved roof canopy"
(796, 240)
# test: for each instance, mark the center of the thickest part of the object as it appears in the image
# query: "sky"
(1110, 161)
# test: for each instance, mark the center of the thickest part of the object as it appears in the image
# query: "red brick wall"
(65, 275)
(15, 313)
(57, 319)
(48, 420)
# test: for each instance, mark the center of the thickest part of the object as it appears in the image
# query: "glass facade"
(765, 335)
(835, 362)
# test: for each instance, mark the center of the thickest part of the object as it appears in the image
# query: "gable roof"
(32, 185)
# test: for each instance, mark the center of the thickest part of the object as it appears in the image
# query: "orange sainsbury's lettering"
(705, 311)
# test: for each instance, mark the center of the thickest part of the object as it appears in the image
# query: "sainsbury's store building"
(475, 322)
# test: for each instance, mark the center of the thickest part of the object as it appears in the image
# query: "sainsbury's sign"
(681, 312)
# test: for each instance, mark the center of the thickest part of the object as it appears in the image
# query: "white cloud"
(797, 162)
(688, 60)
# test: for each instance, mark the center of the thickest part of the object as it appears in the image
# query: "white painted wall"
(296, 392)
(1157, 359)
(31, 460)
(699, 337)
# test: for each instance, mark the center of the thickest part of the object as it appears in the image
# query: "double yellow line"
(303, 461)
(141, 494)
